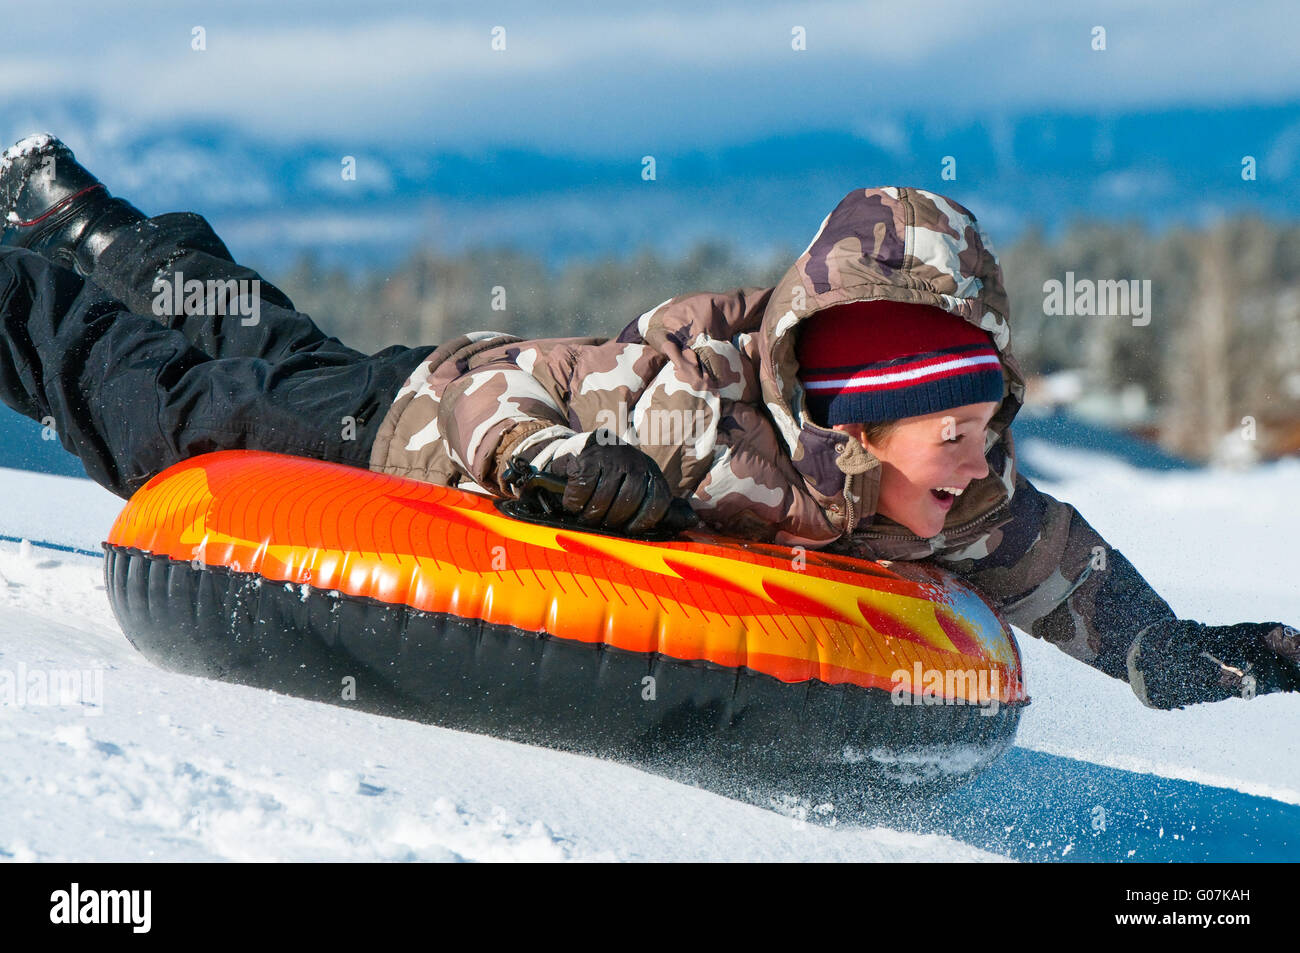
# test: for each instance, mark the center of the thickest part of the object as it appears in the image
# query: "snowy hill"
(158, 766)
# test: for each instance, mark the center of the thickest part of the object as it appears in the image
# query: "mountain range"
(274, 200)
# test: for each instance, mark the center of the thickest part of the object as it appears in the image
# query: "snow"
(23, 147)
(160, 766)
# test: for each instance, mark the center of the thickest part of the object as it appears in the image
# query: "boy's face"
(922, 455)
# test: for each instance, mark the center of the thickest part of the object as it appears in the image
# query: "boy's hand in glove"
(1178, 662)
(613, 485)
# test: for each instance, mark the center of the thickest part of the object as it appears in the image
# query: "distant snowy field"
(168, 767)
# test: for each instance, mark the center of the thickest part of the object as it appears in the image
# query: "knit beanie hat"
(883, 360)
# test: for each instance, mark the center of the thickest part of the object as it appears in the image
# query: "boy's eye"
(956, 439)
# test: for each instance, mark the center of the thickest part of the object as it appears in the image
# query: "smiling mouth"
(947, 494)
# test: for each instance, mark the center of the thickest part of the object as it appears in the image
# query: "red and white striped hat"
(884, 360)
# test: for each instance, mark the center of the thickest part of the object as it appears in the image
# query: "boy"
(863, 403)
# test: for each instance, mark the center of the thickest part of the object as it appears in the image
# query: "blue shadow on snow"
(23, 447)
(1036, 806)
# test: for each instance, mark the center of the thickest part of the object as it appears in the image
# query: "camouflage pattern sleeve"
(538, 400)
(493, 412)
(1053, 576)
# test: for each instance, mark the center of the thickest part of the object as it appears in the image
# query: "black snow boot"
(54, 207)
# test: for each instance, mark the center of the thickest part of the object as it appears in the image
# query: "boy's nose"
(977, 463)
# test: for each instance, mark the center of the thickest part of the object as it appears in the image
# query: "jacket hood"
(898, 244)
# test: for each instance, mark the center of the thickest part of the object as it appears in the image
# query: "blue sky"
(540, 145)
(601, 79)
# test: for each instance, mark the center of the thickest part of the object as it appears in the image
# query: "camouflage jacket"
(705, 384)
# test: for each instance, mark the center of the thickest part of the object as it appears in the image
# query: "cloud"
(590, 77)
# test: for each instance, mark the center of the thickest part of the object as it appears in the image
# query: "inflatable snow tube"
(428, 602)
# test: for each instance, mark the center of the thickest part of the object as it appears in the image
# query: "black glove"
(614, 486)
(1179, 662)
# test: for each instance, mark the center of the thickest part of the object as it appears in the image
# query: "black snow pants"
(131, 389)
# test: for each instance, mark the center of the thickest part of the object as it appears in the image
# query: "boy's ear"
(859, 433)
